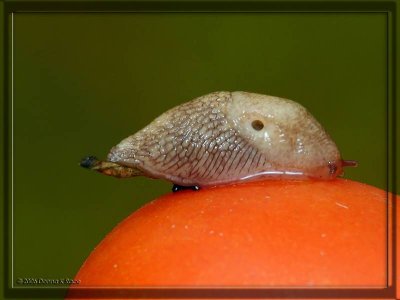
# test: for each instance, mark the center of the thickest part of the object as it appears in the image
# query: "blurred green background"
(84, 81)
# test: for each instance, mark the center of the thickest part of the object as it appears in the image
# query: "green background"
(84, 81)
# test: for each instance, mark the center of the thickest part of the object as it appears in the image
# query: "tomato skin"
(267, 233)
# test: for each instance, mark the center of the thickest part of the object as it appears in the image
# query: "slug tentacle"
(225, 137)
(349, 163)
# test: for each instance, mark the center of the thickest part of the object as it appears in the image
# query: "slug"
(227, 137)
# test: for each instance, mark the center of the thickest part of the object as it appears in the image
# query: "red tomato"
(266, 233)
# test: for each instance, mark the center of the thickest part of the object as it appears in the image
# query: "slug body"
(226, 137)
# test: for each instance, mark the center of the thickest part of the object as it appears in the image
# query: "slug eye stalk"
(349, 163)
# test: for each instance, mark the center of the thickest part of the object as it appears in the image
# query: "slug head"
(293, 142)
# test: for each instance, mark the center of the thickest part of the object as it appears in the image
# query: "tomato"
(266, 233)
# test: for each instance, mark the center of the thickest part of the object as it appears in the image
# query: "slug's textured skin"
(213, 140)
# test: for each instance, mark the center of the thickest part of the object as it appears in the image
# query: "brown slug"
(227, 137)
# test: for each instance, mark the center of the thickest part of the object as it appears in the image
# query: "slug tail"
(109, 168)
(88, 162)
